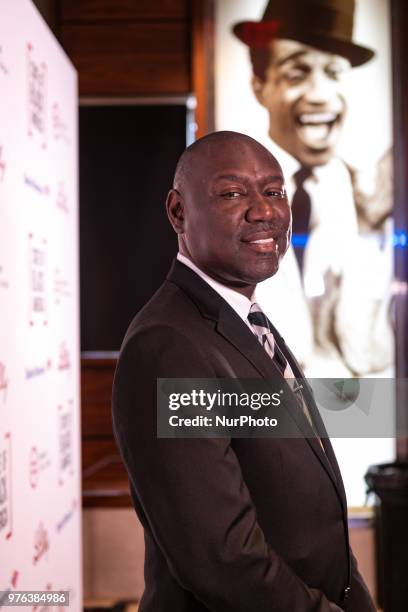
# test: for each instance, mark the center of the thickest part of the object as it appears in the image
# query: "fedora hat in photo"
(324, 24)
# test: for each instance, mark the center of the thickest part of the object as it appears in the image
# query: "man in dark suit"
(231, 525)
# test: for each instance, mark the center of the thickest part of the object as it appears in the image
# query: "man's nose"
(261, 208)
(321, 88)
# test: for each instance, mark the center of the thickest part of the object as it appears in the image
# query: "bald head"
(229, 208)
(203, 150)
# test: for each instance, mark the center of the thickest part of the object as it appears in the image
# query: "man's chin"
(262, 273)
(315, 156)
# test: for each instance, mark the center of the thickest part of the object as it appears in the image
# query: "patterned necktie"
(263, 330)
(301, 209)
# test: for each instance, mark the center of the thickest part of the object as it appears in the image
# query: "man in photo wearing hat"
(339, 272)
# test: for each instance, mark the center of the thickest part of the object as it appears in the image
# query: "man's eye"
(296, 74)
(230, 195)
(275, 193)
(332, 73)
(337, 70)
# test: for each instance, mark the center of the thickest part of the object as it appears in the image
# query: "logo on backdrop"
(59, 126)
(41, 543)
(64, 358)
(40, 188)
(37, 264)
(62, 198)
(2, 165)
(65, 442)
(14, 578)
(38, 370)
(36, 96)
(4, 382)
(4, 284)
(38, 461)
(6, 528)
(3, 66)
(61, 286)
(66, 518)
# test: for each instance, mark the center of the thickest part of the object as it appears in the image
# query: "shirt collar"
(240, 303)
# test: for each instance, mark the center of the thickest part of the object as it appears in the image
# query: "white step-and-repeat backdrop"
(40, 498)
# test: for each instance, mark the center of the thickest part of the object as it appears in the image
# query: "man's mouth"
(315, 128)
(262, 242)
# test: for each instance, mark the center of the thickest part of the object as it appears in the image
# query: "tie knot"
(302, 175)
(258, 318)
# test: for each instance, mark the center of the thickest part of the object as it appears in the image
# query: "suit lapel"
(227, 322)
(233, 329)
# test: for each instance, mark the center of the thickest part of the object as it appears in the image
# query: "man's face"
(236, 215)
(302, 94)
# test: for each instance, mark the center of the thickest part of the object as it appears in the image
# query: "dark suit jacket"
(231, 525)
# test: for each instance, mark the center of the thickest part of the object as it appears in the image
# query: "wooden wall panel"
(104, 478)
(129, 59)
(203, 86)
(113, 10)
(96, 391)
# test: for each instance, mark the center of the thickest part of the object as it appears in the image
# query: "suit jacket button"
(346, 593)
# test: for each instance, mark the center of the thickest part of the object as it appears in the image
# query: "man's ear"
(175, 210)
(257, 88)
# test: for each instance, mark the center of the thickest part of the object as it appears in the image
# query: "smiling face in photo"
(302, 93)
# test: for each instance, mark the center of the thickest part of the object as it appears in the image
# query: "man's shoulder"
(168, 338)
(169, 313)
